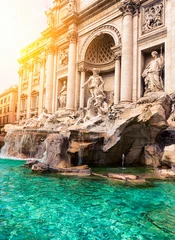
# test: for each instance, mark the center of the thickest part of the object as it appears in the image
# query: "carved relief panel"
(152, 16)
(63, 59)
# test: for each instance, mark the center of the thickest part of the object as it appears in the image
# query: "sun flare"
(21, 23)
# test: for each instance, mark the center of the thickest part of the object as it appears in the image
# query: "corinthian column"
(117, 79)
(20, 72)
(71, 71)
(49, 78)
(172, 45)
(41, 88)
(83, 77)
(29, 89)
(128, 8)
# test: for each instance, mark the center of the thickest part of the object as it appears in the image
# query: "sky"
(21, 22)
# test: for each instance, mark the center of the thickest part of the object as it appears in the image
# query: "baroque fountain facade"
(97, 85)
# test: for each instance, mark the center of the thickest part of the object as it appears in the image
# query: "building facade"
(115, 37)
(8, 106)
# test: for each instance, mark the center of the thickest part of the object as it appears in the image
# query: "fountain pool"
(35, 206)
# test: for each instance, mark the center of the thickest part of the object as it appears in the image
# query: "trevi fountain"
(94, 173)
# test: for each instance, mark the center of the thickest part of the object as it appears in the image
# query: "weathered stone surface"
(168, 158)
(135, 133)
(30, 163)
(167, 173)
(56, 151)
(123, 177)
(80, 170)
(40, 167)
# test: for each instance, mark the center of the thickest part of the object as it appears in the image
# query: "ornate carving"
(153, 17)
(63, 57)
(72, 37)
(42, 62)
(71, 6)
(20, 71)
(30, 67)
(117, 56)
(50, 49)
(50, 18)
(129, 6)
(82, 69)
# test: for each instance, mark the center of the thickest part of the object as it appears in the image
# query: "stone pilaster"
(82, 90)
(49, 77)
(54, 102)
(117, 79)
(128, 8)
(173, 45)
(30, 69)
(41, 88)
(20, 73)
(72, 37)
(77, 88)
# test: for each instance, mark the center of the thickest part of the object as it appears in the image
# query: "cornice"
(105, 67)
(30, 55)
(71, 17)
(13, 89)
(94, 9)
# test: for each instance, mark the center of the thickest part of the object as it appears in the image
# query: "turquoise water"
(53, 207)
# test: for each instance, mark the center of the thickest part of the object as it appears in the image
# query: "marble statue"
(95, 84)
(152, 74)
(101, 105)
(63, 95)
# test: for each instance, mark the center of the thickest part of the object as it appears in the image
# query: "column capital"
(129, 7)
(20, 71)
(82, 69)
(42, 61)
(117, 56)
(117, 52)
(72, 37)
(50, 49)
(30, 67)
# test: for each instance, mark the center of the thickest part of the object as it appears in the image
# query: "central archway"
(99, 51)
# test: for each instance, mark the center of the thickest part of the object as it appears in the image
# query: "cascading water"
(81, 149)
(24, 144)
(123, 161)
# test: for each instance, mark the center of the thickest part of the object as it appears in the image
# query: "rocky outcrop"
(56, 151)
(135, 131)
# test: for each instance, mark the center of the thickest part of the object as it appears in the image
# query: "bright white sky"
(21, 22)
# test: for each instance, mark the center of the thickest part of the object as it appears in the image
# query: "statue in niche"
(153, 17)
(95, 84)
(63, 95)
(152, 74)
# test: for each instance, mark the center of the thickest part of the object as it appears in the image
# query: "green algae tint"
(56, 207)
